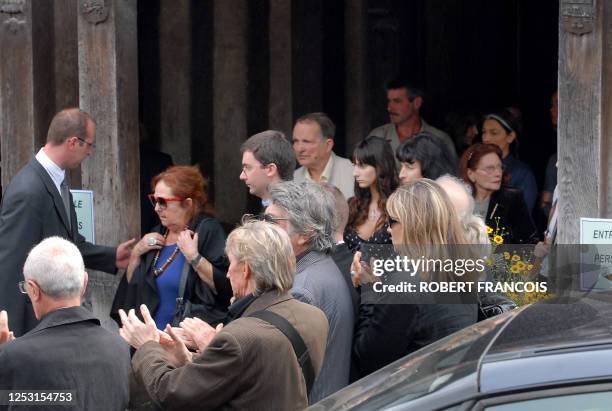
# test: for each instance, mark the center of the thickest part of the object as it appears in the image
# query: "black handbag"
(201, 305)
(491, 305)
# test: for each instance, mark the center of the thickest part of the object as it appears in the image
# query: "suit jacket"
(343, 257)
(507, 210)
(319, 282)
(69, 350)
(249, 365)
(340, 175)
(32, 210)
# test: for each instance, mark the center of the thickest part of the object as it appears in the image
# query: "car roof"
(555, 342)
(500, 351)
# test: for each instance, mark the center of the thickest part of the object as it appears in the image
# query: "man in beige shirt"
(404, 103)
(313, 143)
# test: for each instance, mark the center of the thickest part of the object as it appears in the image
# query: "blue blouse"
(167, 285)
(522, 178)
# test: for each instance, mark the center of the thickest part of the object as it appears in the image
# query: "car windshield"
(444, 362)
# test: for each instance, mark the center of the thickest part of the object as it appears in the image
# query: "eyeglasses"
(268, 218)
(492, 169)
(162, 201)
(92, 145)
(247, 168)
(21, 285)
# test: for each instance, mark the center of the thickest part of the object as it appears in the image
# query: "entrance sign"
(597, 234)
(83, 205)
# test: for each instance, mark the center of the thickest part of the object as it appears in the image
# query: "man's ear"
(271, 170)
(35, 293)
(329, 144)
(418, 102)
(85, 282)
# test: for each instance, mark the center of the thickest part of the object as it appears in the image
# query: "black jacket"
(508, 211)
(143, 288)
(387, 332)
(32, 210)
(69, 350)
(343, 257)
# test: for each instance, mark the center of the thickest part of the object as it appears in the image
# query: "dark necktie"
(65, 192)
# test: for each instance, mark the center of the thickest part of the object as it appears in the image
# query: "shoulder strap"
(299, 347)
(180, 300)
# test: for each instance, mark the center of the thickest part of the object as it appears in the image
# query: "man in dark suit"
(68, 351)
(37, 204)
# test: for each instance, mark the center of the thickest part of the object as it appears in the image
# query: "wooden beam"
(357, 113)
(108, 88)
(280, 106)
(175, 80)
(26, 84)
(230, 105)
(585, 120)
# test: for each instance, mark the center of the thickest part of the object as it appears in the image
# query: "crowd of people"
(274, 312)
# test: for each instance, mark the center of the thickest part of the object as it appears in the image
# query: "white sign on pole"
(83, 205)
(597, 233)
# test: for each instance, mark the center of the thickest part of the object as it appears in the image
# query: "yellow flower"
(514, 269)
(506, 255)
(530, 266)
(521, 265)
(498, 239)
(515, 257)
(489, 230)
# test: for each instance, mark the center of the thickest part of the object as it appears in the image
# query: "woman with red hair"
(503, 208)
(180, 268)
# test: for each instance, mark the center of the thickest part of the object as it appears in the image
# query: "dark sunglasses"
(264, 217)
(392, 221)
(162, 201)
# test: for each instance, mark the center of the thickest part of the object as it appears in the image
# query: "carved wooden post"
(585, 121)
(25, 81)
(230, 105)
(108, 86)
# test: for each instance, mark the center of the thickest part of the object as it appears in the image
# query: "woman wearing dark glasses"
(180, 268)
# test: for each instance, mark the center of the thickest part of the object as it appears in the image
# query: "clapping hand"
(175, 346)
(134, 331)
(199, 331)
(5, 334)
(361, 272)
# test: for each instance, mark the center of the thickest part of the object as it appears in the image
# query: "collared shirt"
(54, 171)
(389, 132)
(326, 175)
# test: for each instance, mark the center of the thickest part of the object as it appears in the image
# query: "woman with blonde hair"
(424, 226)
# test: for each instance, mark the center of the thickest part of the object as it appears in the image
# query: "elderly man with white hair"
(68, 351)
(306, 211)
(265, 358)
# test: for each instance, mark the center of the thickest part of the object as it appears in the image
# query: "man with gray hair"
(267, 158)
(306, 212)
(313, 143)
(68, 351)
(460, 195)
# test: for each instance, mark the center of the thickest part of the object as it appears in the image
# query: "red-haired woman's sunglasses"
(162, 201)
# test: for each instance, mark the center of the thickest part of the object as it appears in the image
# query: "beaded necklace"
(158, 271)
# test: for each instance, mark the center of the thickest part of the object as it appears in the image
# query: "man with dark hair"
(313, 143)
(37, 204)
(267, 158)
(404, 102)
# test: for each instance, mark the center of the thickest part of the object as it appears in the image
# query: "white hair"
(57, 267)
(474, 225)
